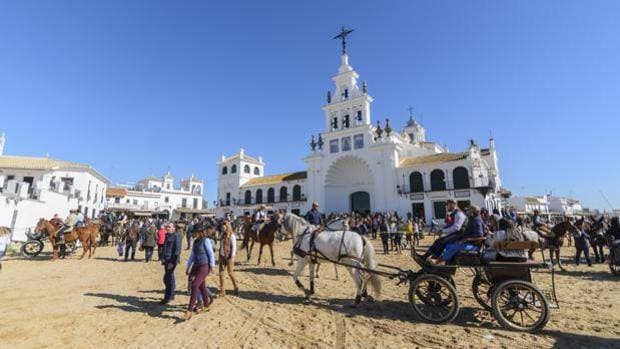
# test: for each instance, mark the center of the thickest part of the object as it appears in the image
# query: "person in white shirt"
(5, 241)
(458, 222)
(457, 219)
(259, 221)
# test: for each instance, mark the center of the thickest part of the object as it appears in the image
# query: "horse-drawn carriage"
(504, 288)
(35, 243)
(507, 289)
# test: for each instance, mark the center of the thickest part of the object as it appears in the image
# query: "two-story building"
(160, 196)
(39, 187)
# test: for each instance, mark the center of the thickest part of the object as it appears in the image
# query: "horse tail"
(370, 262)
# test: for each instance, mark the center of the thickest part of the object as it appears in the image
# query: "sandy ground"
(106, 303)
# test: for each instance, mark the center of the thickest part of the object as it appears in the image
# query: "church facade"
(356, 165)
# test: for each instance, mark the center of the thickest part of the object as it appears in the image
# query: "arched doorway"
(346, 176)
(360, 202)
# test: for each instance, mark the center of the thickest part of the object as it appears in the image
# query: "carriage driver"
(68, 226)
(259, 220)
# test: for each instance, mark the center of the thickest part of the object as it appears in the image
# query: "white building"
(159, 195)
(527, 204)
(356, 166)
(564, 206)
(39, 187)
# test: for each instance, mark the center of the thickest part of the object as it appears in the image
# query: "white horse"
(347, 247)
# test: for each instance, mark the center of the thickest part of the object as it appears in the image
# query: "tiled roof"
(116, 192)
(33, 163)
(531, 200)
(427, 159)
(275, 179)
(151, 178)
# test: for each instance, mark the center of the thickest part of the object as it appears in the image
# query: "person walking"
(171, 253)
(131, 240)
(201, 261)
(161, 237)
(228, 250)
(582, 245)
(149, 240)
(383, 233)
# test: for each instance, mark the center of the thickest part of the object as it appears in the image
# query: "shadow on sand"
(574, 340)
(133, 304)
(265, 271)
(385, 309)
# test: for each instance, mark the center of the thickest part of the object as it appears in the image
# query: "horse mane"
(296, 223)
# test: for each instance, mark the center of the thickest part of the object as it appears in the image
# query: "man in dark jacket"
(170, 258)
(313, 216)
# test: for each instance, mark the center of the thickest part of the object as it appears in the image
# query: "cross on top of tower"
(343, 36)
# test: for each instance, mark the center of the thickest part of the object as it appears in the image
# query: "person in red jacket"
(161, 237)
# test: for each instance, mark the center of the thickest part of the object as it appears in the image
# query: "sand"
(106, 303)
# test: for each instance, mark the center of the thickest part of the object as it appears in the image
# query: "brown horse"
(554, 241)
(87, 236)
(266, 236)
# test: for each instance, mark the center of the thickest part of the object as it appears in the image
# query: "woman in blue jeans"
(200, 263)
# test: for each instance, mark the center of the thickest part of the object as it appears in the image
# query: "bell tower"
(348, 106)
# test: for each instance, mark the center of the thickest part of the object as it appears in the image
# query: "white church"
(355, 165)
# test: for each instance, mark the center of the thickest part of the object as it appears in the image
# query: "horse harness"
(315, 253)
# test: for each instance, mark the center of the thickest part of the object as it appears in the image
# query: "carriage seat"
(528, 264)
(516, 245)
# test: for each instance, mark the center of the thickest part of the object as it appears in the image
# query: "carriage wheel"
(482, 291)
(31, 248)
(434, 299)
(615, 268)
(520, 306)
(70, 248)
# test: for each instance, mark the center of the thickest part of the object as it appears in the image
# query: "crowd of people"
(212, 242)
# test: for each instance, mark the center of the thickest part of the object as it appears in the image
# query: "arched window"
(246, 169)
(256, 171)
(416, 183)
(259, 196)
(438, 180)
(283, 194)
(225, 170)
(460, 177)
(297, 193)
(248, 197)
(271, 195)
(233, 169)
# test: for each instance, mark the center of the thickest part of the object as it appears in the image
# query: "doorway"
(360, 202)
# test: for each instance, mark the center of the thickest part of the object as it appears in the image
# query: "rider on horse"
(259, 220)
(68, 225)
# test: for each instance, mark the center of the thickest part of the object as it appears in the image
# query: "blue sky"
(135, 87)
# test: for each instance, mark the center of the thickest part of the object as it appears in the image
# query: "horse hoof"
(370, 299)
